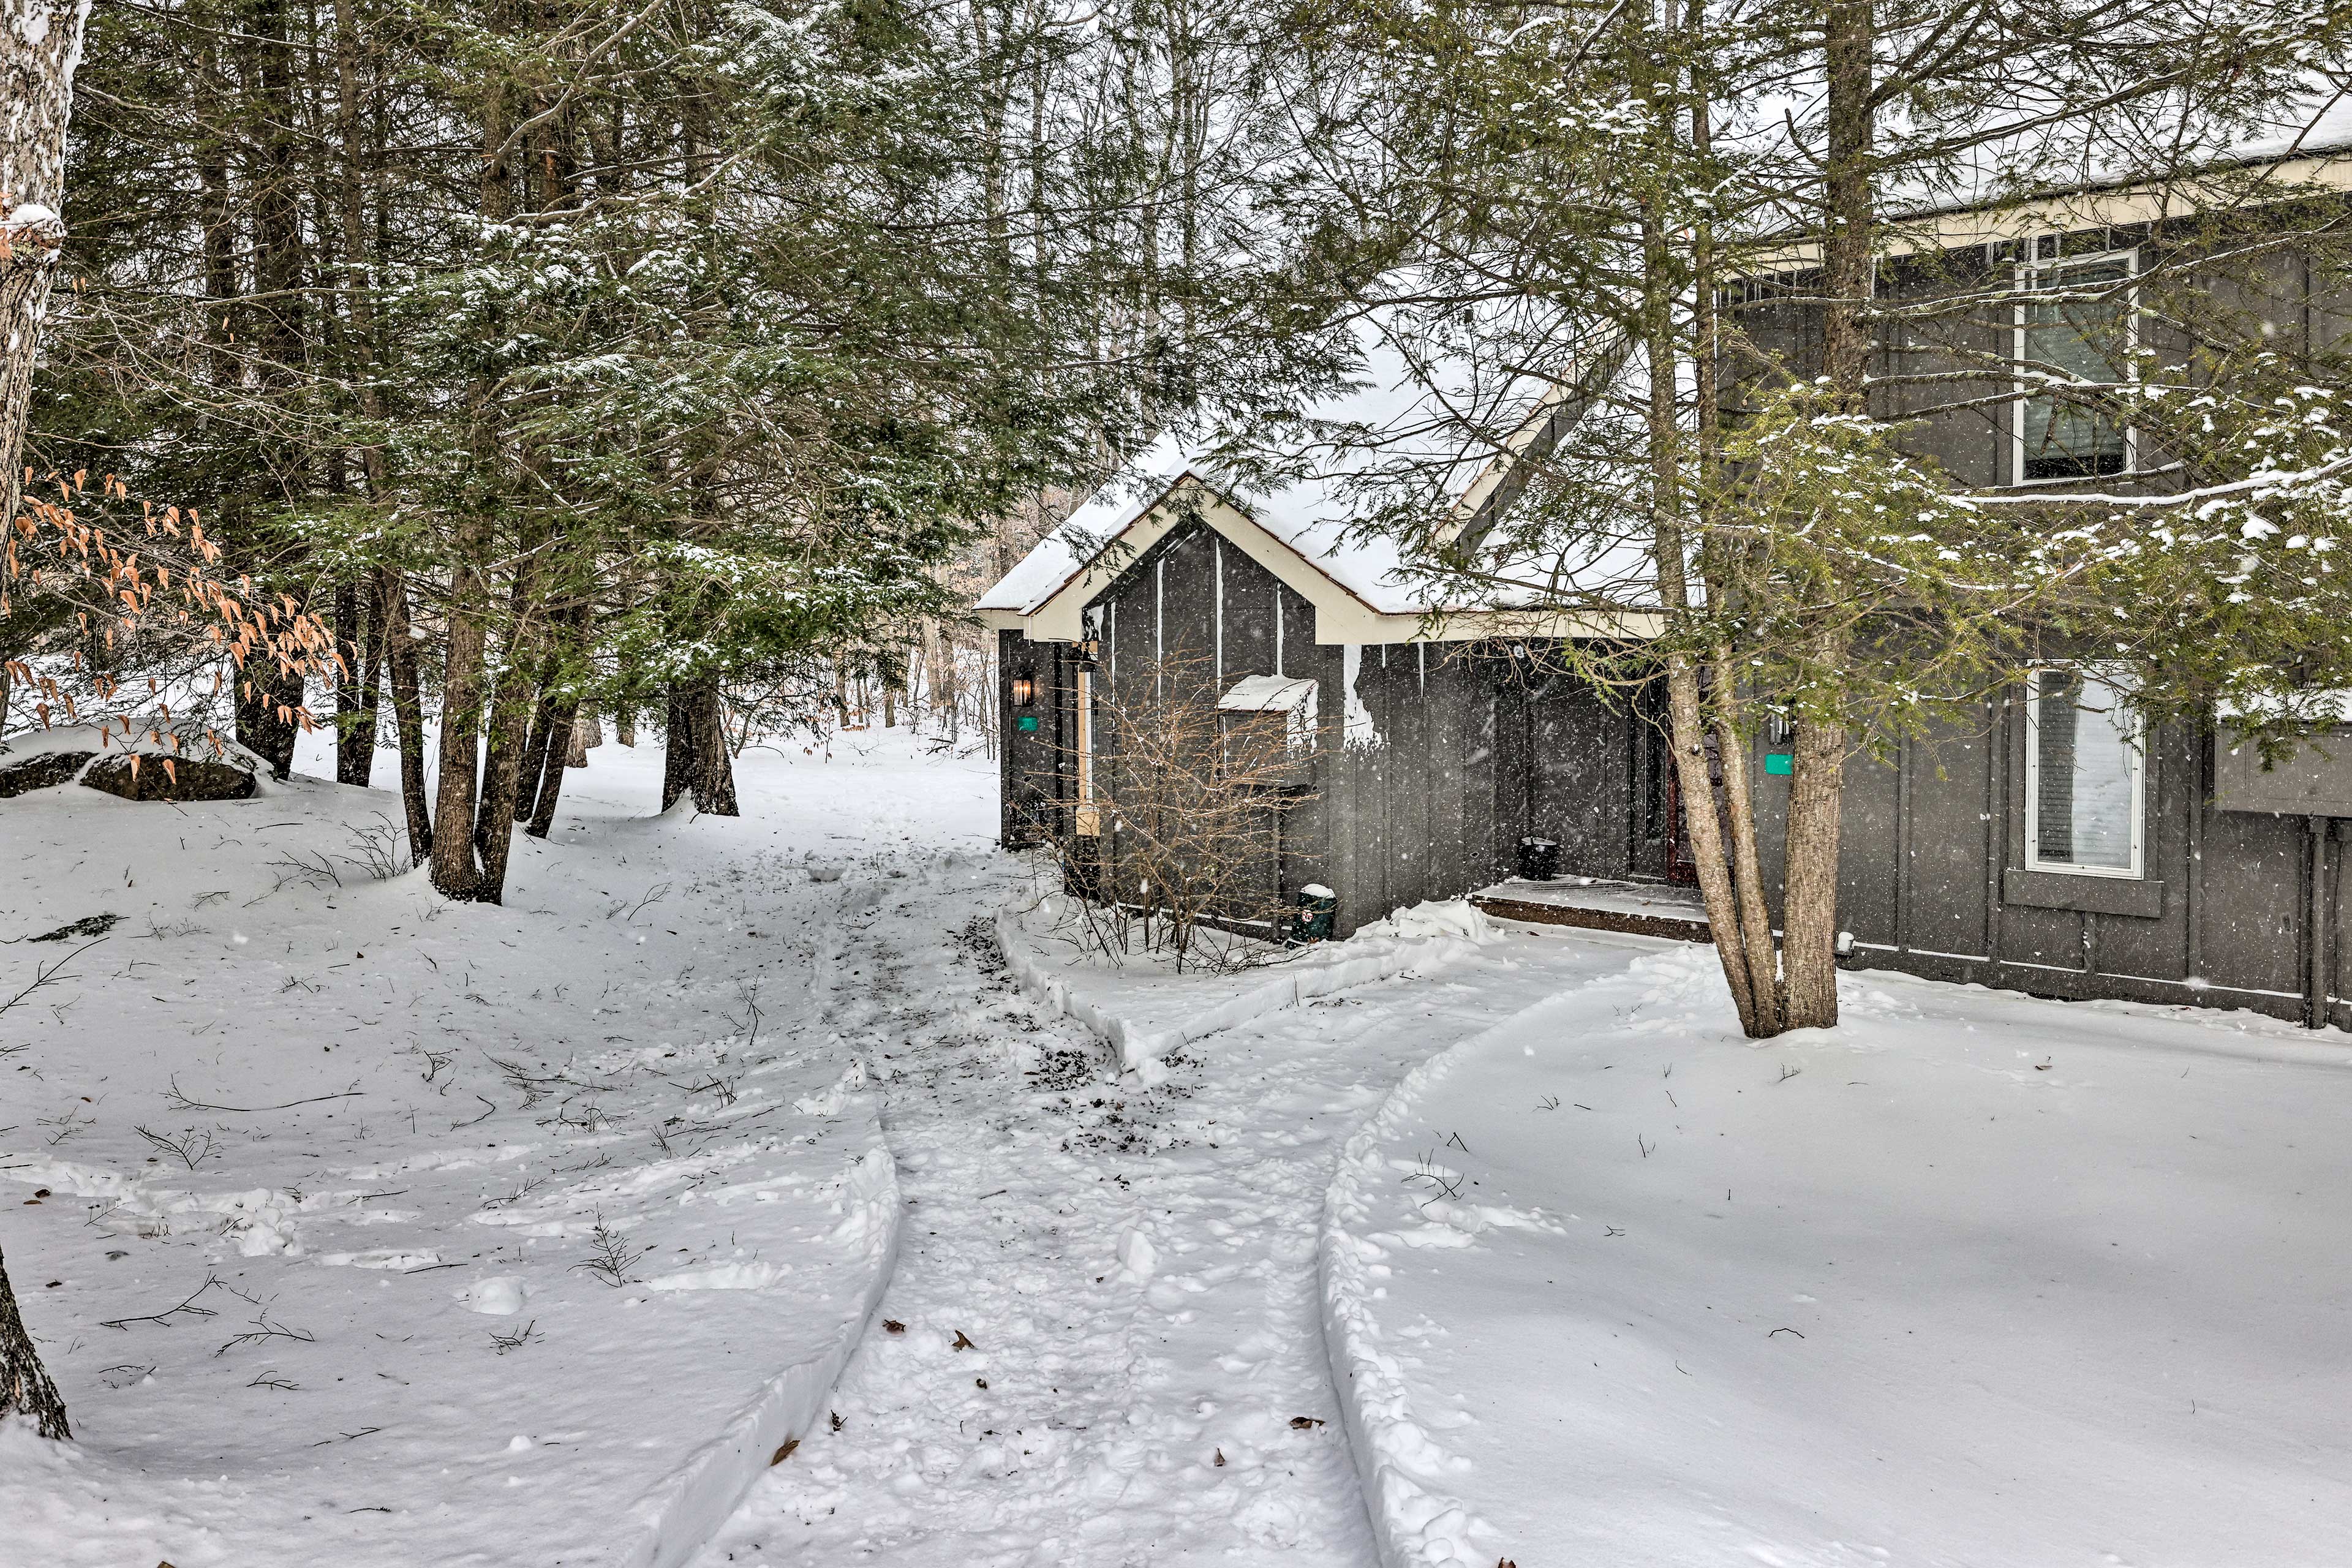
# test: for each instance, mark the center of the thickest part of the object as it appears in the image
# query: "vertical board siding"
(1337, 781)
(1946, 848)
(1867, 852)
(1374, 760)
(2158, 948)
(2252, 921)
(1449, 705)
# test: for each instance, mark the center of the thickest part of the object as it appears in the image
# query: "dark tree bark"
(466, 697)
(407, 711)
(697, 762)
(550, 783)
(503, 784)
(25, 1386)
(543, 720)
(354, 696)
(371, 682)
(262, 692)
(677, 751)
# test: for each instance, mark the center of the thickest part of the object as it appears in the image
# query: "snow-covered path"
(1131, 1273)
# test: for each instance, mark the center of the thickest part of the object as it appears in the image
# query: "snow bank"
(412, 1135)
(1147, 1011)
(1418, 1521)
(1971, 1279)
(689, 1505)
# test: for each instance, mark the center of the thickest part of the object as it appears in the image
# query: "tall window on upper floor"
(2074, 324)
(2085, 774)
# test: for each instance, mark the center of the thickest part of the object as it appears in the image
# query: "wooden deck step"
(1640, 908)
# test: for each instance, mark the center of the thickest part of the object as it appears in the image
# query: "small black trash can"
(1538, 859)
(1317, 906)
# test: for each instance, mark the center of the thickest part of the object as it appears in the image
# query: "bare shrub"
(1174, 845)
(380, 848)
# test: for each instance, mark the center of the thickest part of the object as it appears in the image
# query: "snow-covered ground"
(441, 1234)
(1512, 1221)
(1974, 1280)
(1132, 1268)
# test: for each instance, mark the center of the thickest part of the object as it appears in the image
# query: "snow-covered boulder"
(184, 764)
(42, 770)
(185, 778)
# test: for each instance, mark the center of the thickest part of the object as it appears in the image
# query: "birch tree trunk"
(41, 44)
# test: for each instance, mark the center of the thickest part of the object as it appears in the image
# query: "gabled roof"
(1298, 527)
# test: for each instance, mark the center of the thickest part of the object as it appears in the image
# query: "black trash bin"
(1317, 905)
(1538, 859)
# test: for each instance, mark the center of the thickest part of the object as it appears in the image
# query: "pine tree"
(1551, 221)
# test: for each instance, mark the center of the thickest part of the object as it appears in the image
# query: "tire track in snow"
(1133, 1272)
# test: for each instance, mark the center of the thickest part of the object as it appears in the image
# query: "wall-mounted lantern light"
(1024, 690)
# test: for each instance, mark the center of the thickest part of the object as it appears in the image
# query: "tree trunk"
(25, 1386)
(463, 700)
(584, 733)
(407, 710)
(356, 729)
(39, 47)
(266, 698)
(1717, 559)
(1816, 780)
(625, 724)
(532, 647)
(354, 706)
(543, 722)
(1686, 701)
(550, 785)
(502, 780)
(466, 696)
(697, 762)
(1809, 881)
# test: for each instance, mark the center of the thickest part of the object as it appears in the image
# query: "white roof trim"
(2121, 205)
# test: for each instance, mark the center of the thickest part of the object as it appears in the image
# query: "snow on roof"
(1433, 414)
(1396, 413)
(1267, 694)
(2149, 145)
(1062, 555)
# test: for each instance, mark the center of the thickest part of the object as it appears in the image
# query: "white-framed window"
(2077, 317)
(2085, 774)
